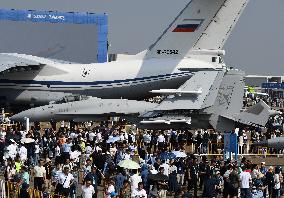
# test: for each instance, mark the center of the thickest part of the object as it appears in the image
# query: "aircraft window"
(214, 59)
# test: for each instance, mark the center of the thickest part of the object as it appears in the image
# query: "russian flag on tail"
(190, 25)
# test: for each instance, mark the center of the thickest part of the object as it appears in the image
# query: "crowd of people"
(86, 162)
(251, 99)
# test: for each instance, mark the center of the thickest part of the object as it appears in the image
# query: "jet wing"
(9, 62)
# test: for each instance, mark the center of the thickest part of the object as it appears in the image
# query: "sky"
(255, 46)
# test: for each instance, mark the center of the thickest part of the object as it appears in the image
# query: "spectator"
(39, 174)
(245, 179)
(88, 190)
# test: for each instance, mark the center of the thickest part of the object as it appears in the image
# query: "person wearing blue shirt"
(66, 148)
(144, 174)
(263, 169)
(119, 179)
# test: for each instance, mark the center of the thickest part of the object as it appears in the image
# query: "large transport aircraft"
(184, 64)
(192, 42)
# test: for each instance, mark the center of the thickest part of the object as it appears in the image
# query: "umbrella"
(167, 155)
(158, 177)
(27, 140)
(128, 164)
(113, 139)
(179, 154)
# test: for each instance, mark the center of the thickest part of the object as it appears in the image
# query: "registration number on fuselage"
(169, 51)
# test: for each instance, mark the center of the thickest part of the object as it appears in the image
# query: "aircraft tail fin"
(202, 24)
(227, 104)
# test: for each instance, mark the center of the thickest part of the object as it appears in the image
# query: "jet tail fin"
(202, 24)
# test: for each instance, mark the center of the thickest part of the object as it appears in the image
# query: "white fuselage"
(129, 79)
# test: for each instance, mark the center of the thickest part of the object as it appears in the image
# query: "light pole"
(27, 123)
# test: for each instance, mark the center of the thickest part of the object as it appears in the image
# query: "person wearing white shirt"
(23, 152)
(121, 137)
(172, 168)
(277, 183)
(134, 181)
(161, 140)
(65, 181)
(91, 136)
(37, 150)
(110, 190)
(245, 179)
(88, 190)
(139, 192)
(166, 168)
(39, 174)
(126, 137)
(89, 150)
(127, 156)
(98, 137)
(12, 149)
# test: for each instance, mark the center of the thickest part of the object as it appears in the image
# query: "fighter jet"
(192, 42)
(277, 143)
(208, 99)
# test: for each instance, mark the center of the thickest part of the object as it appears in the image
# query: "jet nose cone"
(17, 117)
(20, 117)
(261, 143)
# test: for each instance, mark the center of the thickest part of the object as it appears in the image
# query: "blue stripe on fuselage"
(85, 83)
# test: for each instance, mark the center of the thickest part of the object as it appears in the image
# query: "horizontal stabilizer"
(255, 115)
(176, 91)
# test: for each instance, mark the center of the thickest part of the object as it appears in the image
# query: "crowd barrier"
(12, 190)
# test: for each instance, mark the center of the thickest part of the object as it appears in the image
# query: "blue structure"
(230, 145)
(101, 20)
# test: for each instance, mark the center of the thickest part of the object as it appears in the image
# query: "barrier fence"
(12, 190)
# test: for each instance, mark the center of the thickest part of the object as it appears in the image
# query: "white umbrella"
(113, 139)
(179, 154)
(27, 140)
(128, 164)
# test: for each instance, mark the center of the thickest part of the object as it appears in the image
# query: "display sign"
(66, 33)
(272, 85)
